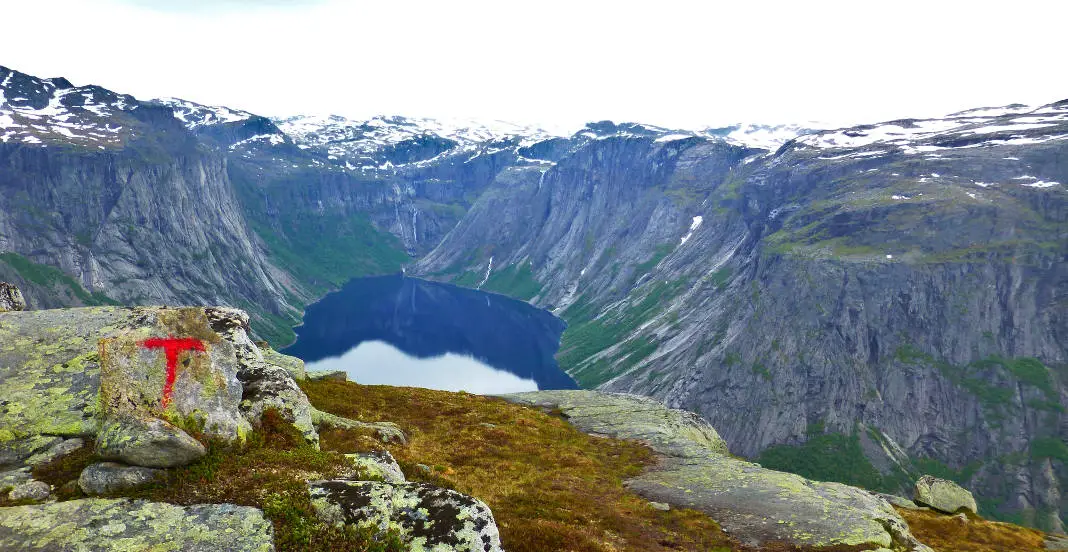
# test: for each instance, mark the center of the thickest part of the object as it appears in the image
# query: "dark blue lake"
(395, 330)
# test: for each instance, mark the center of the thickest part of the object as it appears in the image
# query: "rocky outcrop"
(425, 517)
(108, 477)
(11, 298)
(378, 465)
(121, 525)
(144, 441)
(942, 495)
(757, 506)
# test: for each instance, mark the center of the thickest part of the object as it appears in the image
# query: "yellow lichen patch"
(550, 486)
(946, 533)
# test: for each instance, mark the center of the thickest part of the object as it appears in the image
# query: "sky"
(555, 64)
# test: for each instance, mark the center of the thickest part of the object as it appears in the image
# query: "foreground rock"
(426, 517)
(379, 464)
(109, 477)
(945, 496)
(11, 298)
(755, 505)
(125, 525)
(147, 442)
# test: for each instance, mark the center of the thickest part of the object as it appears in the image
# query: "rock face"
(121, 525)
(942, 495)
(755, 505)
(109, 477)
(426, 517)
(11, 298)
(143, 441)
(79, 372)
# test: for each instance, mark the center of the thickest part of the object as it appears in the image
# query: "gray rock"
(104, 525)
(31, 490)
(899, 501)
(11, 298)
(55, 452)
(388, 432)
(291, 364)
(945, 496)
(12, 478)
(331, 375)
(426, 517)
(378, 464)
(149, 442)
(662, 506)
(1056, 542)
(15, 451)
(109, 477)
(271, 387)
(753, 504)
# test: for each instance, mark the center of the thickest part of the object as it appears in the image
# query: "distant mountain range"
(859, 304)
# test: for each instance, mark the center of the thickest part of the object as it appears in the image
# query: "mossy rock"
(943, 495)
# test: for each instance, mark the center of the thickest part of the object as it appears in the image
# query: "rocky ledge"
(757, 506)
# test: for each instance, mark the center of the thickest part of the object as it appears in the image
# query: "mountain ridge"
(887, 286)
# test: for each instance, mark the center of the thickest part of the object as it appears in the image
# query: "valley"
(860, 305)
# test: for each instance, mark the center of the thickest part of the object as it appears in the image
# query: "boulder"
(293, 365)
(109, 477)
(426, 517)
(944, 496)
(380, 464)
(15, 451)
(105, 525)
(270, 387)
(31, 490)
(179, 370)
(149, 442)
(11, 298)
(55, 452)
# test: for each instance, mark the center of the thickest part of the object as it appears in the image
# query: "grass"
(550, 487)
(515, 281)
(951, 534)
(51, 277)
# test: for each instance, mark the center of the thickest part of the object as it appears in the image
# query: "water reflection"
(404, 331)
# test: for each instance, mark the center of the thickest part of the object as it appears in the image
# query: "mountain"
(894, 293)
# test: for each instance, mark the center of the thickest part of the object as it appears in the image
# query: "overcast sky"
(555, 63)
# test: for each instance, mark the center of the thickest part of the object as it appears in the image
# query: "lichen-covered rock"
(899, 501)
(945, 496)
(109, 477)
(11, 298)
(426, 517)
(149, 442)
(669, 430)
(753, 504)
(271, 387)
(31, 490)
(10, 479)
(50, 370)
(55, 452)
(380, 464)
(183, 370)
(388, 432)
(15, 451)
(102, 525)
(330, 375)
(291, 364)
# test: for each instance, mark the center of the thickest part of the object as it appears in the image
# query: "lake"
(396, 330)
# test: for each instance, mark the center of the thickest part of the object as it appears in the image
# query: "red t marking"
(172, 347)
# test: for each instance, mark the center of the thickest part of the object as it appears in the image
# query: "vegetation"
(550, 486)
(1050, 447)
(51, 277)
(825, 457)
(514, 281)
(974, 534)
(586, 336)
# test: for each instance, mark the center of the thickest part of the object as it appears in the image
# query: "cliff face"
(894, 290)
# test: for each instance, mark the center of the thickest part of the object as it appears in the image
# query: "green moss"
(1049, 447)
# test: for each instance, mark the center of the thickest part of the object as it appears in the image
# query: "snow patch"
(693, 226)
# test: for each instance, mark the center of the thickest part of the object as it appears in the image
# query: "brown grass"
(951, 534)
(550, 486)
